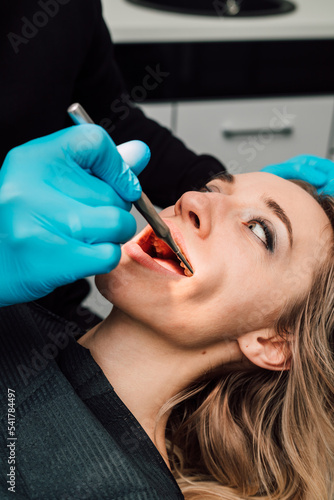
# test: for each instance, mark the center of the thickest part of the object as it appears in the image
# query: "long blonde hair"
(265, 435)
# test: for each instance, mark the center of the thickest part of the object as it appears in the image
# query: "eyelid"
(212, 188)
(269, 230)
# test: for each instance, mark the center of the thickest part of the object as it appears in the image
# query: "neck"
(147, 370)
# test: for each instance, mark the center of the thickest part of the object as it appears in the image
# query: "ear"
(266, 349)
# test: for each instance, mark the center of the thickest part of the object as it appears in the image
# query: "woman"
(235, 362)
(224, 378)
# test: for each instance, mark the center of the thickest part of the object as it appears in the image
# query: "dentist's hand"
(64, 209)
(312, 169)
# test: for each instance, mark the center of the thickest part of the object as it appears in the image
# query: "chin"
(119, 285)
(108, 284)
(102, 284)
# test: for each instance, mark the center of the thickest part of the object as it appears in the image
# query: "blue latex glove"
(59, 223)
(313, 169)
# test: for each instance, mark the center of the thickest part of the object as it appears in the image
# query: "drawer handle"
(230, 133)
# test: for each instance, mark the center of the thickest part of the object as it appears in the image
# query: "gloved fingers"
(93, 191)
(68, 259)
(136, 154)
(327, 188)
(316, 162)
(88, 260)
(290, 170)
(91, 147)
(103, 225)
(75, 182)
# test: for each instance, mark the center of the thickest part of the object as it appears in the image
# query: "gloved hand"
(58, 222)
(313, 169)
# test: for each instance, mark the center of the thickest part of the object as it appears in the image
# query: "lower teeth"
(185, 269)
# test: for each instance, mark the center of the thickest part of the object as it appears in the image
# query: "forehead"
(309, 222)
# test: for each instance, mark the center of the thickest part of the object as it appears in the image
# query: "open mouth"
(160, 252)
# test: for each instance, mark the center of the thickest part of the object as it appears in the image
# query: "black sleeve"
(173, 169)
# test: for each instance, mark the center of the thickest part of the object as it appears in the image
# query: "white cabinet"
(247, 134)
(160, 112)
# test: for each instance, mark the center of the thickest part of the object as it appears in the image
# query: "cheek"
(243, 294)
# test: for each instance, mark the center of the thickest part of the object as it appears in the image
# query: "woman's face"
(253, 244)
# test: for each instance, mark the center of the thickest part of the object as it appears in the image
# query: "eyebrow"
(278, 210)
(223, 176)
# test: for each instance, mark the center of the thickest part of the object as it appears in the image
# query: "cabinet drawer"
(246, 135)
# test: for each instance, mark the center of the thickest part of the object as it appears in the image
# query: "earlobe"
(266, 349)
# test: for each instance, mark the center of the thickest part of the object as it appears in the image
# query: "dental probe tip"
(184, 260)
(167, 238)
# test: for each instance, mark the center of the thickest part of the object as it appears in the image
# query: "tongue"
(169, 264)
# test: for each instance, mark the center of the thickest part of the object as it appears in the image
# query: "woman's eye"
(261, 230)
(210, 189)
(258, 230)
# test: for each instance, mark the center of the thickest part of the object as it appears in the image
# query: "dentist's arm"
(64, 209)
(313, 169)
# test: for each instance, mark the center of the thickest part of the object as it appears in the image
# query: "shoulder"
(34, 317)
(29, 335)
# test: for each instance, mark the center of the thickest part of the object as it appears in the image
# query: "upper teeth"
(159, 246)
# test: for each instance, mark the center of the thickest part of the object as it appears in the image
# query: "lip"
(178, 238)
(135, 251)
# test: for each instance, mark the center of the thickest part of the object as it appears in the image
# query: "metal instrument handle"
(145, 207)
(78, 114)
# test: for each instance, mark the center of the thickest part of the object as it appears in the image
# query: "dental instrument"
(143, 204)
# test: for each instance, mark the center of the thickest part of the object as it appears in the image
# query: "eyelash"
(206, 189)
(269, 243)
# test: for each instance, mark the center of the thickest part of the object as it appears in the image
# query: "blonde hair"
(265, 434)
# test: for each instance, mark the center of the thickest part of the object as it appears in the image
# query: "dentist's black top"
(56, 52)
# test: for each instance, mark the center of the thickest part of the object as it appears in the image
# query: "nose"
(195, 208)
